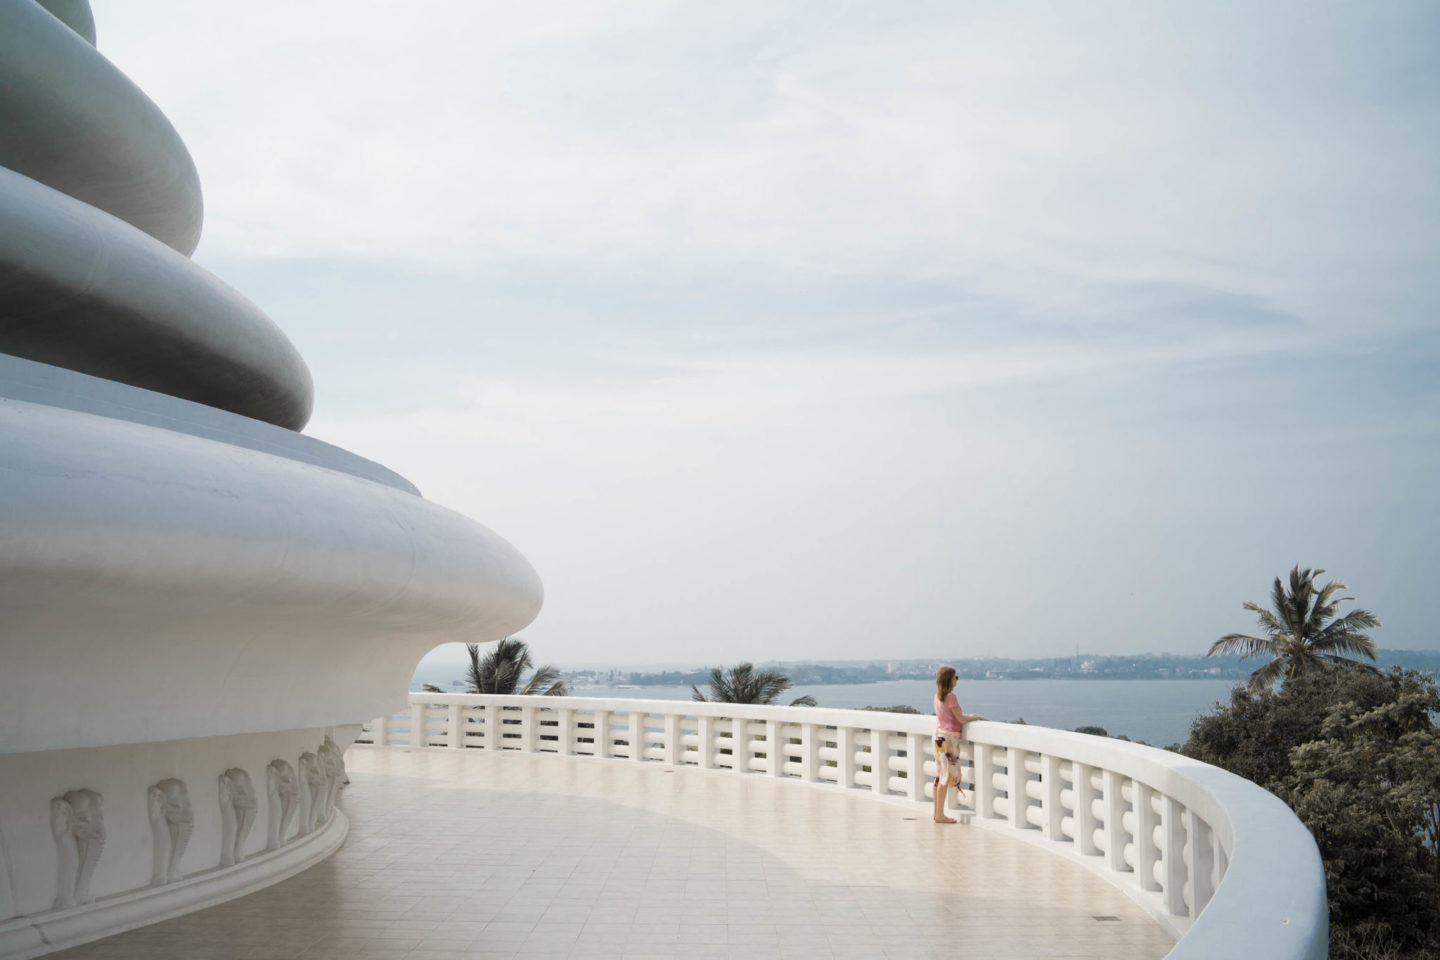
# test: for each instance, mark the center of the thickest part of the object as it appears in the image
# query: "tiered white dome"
(188, 586)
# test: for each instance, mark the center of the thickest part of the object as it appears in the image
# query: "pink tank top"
(944, 719)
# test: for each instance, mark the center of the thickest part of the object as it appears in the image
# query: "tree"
(499, 671)
(742, 683)
(1356, 754)
(1370, 793)
(1301, 633)
(431, 688)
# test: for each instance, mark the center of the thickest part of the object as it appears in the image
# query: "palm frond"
(1352, 622)
(1305, 636)
(1347, 644)
(474, 681)
(805, 701)
(548, 678)
(725, 686)
(1284, 604)
(769, 685)
(500, 669)
(697, 696)
(1243, 644)
(1268, 621)
(1302, 582)
(742, 683)
(1333, 587)
(1325, 607)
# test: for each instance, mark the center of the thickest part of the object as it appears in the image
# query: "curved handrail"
(1194, 845)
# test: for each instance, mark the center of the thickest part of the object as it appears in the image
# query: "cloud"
(924, 328)
(1224, 146)
(951, 505)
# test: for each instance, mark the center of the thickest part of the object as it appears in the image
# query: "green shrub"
(1356, 754)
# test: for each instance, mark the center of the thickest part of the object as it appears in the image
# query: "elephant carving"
(313, 779)
(333, 764)
(78, 825)
(282, 788)
(172, 821)
(237, 814)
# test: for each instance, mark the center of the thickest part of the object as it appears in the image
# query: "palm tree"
(742, 683)
(1302, 633)
(500, 669)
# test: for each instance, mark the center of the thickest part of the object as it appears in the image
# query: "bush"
(1356, 754)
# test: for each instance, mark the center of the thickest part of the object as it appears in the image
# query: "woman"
(949, 725)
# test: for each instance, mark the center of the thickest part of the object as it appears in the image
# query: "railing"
(1221, 864)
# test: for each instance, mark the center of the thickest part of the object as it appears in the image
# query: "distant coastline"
(1135, 699)
(822, 673)
(1083, 666)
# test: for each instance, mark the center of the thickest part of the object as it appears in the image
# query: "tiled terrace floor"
(476, 855)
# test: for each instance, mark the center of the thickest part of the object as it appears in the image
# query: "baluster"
(740, 733)
(810, 752)
(1202, 862)
(417, 725)
(1173, 830)
(380, 735)
(602, 734)
(529, 730)
(915, 744)
(1147, 854)
(707, 742)
(1085, 808)
(845, 745)
(1115, 822)
(637, 735)
(774, 749)
(494, 732)
(1053, 806)
(455, 726)
(984, 780)
(879, 762)
(673, 746)
(1016, 778)
(566, 744)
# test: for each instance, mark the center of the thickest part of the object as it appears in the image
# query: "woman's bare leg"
(941, 789)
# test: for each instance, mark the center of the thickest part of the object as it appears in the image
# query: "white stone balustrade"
(1221, 864)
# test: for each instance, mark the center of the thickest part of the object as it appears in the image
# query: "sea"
(1158, 712)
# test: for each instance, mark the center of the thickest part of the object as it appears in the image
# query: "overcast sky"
(830, 330)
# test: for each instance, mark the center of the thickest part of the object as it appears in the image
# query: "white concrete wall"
(183, 590)
(121, 885)
(161, 585)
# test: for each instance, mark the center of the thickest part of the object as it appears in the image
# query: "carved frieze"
(78, 825)
(172, 821)
(282, 789)
(237, 814)
(333, 765)
(312, 805)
